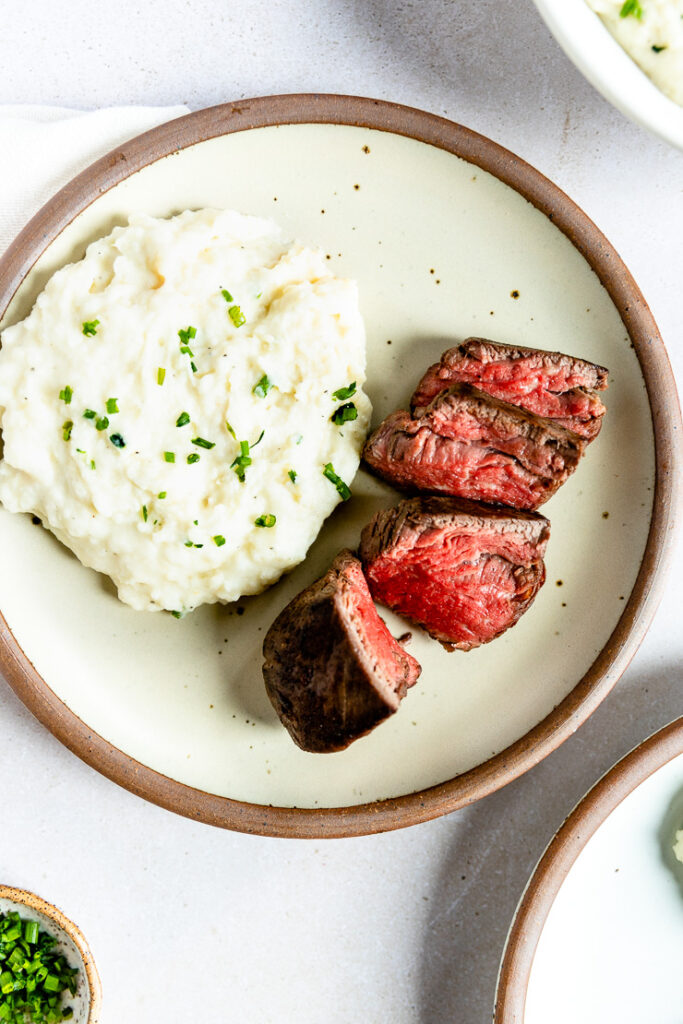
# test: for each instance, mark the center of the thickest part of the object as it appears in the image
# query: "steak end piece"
(332, 669)
(469, 445)
(463, 571)
(549, 384)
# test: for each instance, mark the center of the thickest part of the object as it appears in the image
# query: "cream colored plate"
(438, 247)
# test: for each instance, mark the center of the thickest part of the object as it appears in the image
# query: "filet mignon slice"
(332, 669)
(470, 445)
(549, 384)
(463, 571)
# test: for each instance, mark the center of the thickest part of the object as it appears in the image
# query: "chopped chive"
(186, 350)
(189, 544)
(658, 49)
(259, 439)
(80, 451)
(111, 405)
(344, 414)
(193, 367)
(292, 474)
(177, 615)
(262, 387)
(102, 423)
(89, 414)
(161, 495)
(243, 460)
(342, 488)
(186, 334)
(230, 430)
(266, 521)
(169, 456)
(182, 419)
(67, 427)
(219, 540)
(66, 394)
(194, 457)
(161, 375)
(90, 327)
(343, 393)
(144, 513)
(299, 439)
(631, 7)
(31, 932)
(117, 441)
(237, 316)
(226, 295)
(92, 464)
(202, 443)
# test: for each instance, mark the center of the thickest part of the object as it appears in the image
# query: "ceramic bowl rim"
(590, 690)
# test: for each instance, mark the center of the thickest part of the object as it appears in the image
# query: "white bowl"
(70, 943)
(608, 67)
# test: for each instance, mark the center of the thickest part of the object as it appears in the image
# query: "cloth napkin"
(44, 147)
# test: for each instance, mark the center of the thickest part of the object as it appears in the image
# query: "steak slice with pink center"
(549, 384)
(463, 571)
(470, 445)
(332, 669)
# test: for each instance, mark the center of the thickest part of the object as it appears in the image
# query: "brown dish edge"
(569, 714)
(558, 859)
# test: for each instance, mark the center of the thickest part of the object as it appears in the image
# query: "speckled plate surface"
(448, 235)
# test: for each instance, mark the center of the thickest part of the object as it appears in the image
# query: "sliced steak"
(549, 384)
(332, 669)
(463, 571)
(470, 445)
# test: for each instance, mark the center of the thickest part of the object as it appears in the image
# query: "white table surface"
(190, 923)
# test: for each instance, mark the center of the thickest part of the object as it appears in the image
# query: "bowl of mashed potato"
(629, 50)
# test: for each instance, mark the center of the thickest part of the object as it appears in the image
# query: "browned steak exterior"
(464, 571)
(549, 384)
(332, 669)
(470, 445)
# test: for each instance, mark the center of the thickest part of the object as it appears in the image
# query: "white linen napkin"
(44, 147)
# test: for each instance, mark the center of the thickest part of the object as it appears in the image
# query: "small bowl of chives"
(47, 972)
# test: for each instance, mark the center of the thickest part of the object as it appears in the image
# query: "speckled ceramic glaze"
(448, 236)
(70, 943)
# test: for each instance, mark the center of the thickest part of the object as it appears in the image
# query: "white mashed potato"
(133, 386)
(651, 32)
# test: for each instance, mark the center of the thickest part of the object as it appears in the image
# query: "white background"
(409, 926)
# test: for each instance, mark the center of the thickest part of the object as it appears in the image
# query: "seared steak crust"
(463, 571)
(332, 669)
(467, 444)
(549, 384)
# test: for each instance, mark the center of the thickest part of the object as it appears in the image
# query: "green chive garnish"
(193, 367)
(66, 394)
(194, 457)
(242, 461)
(292, 475)
(632, 7)
(90, 327)
(258, 441)
(230, 430)
(67, 427)
(182, 419)
(226, 295)
(144, 513)
(117, 441)
(186, 334)
(343, 393)
(342, 488)
(237, 316)
(219, 540)
(658, 49)
(89, 414)
(265, 520)
(344, 414)
(177, 615)
(169, 456)
(202, 443)
(161, 375)
(161, 495)
(102, 423)
(262, 387)
(111, 405)
(189, 544)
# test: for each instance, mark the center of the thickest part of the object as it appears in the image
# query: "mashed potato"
(651, 32)
(166, 408)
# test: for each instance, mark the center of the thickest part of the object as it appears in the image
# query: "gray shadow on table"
(498, 841)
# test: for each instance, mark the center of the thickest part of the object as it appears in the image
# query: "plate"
(448, 235)
(608, 67)
(601, 921)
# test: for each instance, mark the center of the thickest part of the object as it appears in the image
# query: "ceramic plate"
(448, 235)
(601, 921)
